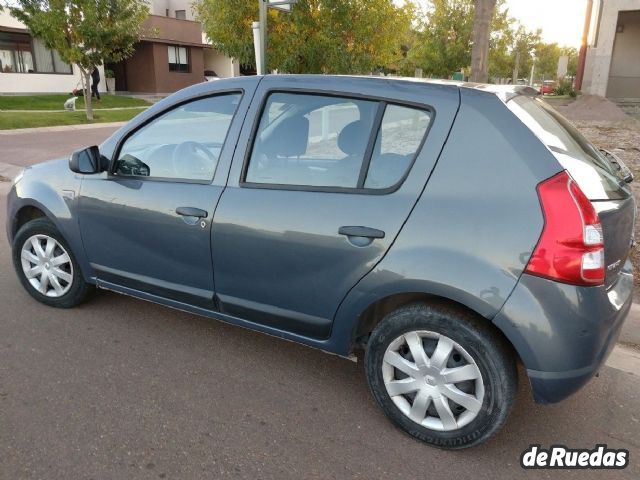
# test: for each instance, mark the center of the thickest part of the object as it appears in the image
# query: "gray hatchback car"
(448, 230)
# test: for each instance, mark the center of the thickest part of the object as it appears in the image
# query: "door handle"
(191, 212)
(357, 231)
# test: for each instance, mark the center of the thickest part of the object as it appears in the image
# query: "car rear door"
(329, 172)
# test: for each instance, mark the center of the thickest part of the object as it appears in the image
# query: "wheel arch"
(376, 311)
(30, 209)
(25, 214)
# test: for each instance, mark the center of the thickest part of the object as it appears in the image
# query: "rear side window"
(586, 164)
(325, 141)
(399, 139)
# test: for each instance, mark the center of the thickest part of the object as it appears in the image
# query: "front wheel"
(46, 267)
(441, 374)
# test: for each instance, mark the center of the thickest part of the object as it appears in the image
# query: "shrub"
(565, 87)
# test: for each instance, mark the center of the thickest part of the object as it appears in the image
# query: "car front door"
(320, 193)
(146, 224)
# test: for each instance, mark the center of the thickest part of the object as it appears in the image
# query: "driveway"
(121, 388)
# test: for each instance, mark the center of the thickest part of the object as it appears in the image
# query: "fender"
(54, 190)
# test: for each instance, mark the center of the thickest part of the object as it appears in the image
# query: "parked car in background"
(547, 87)
(211, 76)
(448, 230)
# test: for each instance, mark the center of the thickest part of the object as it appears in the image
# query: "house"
(173, 53)
(612, 64)
(27, 66)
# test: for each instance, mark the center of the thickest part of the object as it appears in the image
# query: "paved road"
(27, 148)
(121, 389)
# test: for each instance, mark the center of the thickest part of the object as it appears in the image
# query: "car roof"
(505, 92)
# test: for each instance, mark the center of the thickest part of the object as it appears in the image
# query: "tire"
(487, 385)
(72, 290)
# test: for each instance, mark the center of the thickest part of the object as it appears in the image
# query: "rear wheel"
(441, 374)
(46, 267)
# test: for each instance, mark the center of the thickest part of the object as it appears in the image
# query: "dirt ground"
(620, 137)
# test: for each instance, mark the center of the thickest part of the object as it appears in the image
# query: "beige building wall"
(221, 64)
(624, 74)
(601, 66)
(39, 82)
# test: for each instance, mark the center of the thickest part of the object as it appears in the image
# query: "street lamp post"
(260, 41)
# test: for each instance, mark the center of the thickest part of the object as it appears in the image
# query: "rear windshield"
(586, 164)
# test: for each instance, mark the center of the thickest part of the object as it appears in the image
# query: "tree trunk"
(481, 30)
(86, 75)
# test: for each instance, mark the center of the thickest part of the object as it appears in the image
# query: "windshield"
(586, 164)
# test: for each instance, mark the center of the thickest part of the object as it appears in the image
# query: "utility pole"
(263, 35)
(533, 69)
(260, 37)
(583, 46)
(516, 67)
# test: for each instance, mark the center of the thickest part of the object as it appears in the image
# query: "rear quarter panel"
(475, 225)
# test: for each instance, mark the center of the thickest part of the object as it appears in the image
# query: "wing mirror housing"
(88, 161)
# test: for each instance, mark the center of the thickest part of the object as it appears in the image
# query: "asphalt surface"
(120, 389)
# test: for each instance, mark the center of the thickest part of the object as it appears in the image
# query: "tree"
(85, 32)
(318, 36)
(525, 45)
(547, 56)
(483, 14)
(443, 41)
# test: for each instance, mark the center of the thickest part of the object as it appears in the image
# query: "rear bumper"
(563, 333)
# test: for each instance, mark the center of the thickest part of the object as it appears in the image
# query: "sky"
(561, 21)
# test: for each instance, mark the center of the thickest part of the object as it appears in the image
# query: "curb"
(61, 128)
(9, 171)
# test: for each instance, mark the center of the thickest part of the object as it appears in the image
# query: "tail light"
(571, 247)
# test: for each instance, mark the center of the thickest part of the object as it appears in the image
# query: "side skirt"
(326, 346)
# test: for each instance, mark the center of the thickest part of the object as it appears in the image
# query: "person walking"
(95, 77)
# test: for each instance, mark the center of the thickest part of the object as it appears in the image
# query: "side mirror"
(88, 161)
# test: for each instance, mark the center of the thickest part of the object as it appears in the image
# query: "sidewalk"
(62, 128)
(77, 110)
(631, 329)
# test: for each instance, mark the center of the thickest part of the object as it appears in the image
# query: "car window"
(585, 163)
(182, 144)
(311, 140)
(400, 136)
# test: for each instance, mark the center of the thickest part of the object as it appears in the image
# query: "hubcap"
(47, 265)
(433, 380)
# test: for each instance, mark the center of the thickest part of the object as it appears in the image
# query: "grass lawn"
(56, 102)
(10, 120)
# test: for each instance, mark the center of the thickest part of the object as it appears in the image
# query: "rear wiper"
(622, 171)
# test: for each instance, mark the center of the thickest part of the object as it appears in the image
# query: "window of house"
(15, 53)
(181, 14)
(19, 53)
(178, 59)
(325, 141)
(182, 144)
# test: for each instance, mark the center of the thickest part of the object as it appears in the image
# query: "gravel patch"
(593, 108)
